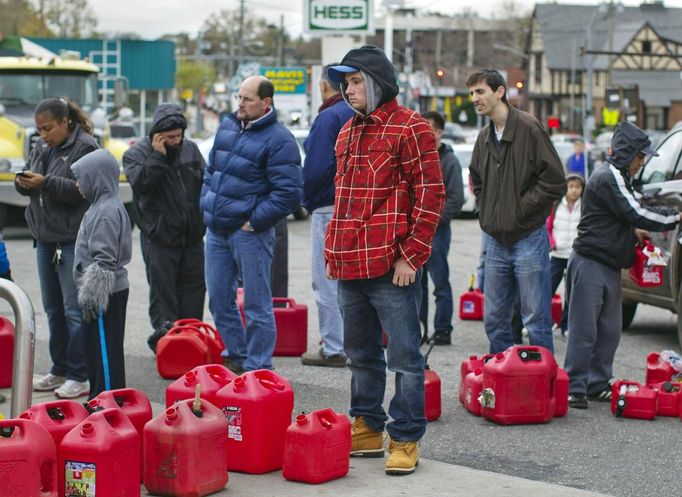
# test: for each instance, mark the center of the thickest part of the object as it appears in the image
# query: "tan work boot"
(366, 442)
(403, 457)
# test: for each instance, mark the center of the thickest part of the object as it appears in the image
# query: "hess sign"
(338, 16)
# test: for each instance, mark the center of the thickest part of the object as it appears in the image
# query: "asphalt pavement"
(461, 454)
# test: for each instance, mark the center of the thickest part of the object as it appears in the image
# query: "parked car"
(124, 131)
(660, 183)
(454, 132)
(463, 153)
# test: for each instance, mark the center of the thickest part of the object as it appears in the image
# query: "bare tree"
(68, 18)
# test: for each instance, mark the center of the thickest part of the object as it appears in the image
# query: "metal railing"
(24, 345)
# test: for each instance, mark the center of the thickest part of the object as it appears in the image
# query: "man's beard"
(173, 151)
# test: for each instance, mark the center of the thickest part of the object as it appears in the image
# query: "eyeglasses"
(247, 99)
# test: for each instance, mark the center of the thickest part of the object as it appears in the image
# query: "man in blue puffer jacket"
(253, 180)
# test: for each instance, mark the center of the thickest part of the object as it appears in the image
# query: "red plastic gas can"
(213, 340)
(132, 402)
(518, 386)
(630, 399)
(469, 365)
(58, 417)
(317, 447)
(471, 305)
(473, 386)
(657, 371)
(183, 348)
(669, 398)
(101, 456)
(6, 352)
(561, 393)
(28, 460)
(641, 272)
(258, 407)
(432, 395)
(291, 322)
(210, 377)
(557, 309)
(186, 455)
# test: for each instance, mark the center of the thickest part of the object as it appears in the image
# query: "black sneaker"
(441, 337)
(153, 339)
(577, 401)
(602, 395)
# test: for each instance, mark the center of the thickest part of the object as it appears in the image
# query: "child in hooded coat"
(103, 248)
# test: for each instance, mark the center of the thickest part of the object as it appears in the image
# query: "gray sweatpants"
(594, 324)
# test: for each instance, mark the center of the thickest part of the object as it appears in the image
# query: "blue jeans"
(325, 290)
(525, 267)
(247, 255)
(437, 267)
(367, 306)
(60, 301)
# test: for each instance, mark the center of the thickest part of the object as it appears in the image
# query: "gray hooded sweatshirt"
(104, 242)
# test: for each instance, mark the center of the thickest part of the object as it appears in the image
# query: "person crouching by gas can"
(611, 222)
(103, 248)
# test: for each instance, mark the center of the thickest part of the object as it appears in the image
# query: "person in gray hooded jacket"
(103, 248)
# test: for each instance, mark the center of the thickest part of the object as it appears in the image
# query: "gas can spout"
(196, 405)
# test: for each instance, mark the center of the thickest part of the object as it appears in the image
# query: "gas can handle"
(327, 418)
(272, 384)
(428, 352)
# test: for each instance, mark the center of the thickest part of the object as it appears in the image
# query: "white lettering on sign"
(338, 14)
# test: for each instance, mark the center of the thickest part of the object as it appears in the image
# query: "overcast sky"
(153, 18)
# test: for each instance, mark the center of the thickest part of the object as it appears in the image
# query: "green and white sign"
(338, 17)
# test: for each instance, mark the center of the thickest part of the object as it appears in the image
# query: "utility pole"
(280, 42)
(240, 51)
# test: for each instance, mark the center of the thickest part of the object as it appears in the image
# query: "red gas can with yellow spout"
(471, 303)
(185, 452)
(519, 386)
(211, 378)
(101, 457)
(58, 417)
(28, 460)
(258, 406)
(317, 447)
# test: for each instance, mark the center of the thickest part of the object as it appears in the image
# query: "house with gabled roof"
(635, 55)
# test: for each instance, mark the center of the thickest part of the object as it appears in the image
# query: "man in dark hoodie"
(389, 196)
(165, 171)
(611, 222)
(437, 265)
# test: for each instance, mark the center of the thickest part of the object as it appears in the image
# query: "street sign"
(324, 17)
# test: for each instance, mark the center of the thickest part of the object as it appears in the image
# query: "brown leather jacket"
(517, 184)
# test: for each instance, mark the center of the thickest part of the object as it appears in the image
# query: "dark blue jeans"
(522, 268)
(367, 306)
(58, 291)
(437, 267)
(558, 266)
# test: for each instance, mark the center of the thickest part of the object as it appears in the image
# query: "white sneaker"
(72, 389)
(48, 382)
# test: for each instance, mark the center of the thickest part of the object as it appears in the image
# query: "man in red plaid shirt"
(389, 198)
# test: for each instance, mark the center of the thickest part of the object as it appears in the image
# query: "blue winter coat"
(320, 157)
(254, 175)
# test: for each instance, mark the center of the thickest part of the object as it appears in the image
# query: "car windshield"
(123, 131)
(29, 88)
(661, 168)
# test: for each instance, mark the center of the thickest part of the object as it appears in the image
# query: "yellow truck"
(25, 81)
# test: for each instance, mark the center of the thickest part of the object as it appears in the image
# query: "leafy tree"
(194, 75)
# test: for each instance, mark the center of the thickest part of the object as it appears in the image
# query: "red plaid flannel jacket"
(389, 194)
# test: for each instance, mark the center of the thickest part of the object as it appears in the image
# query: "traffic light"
(440, 74)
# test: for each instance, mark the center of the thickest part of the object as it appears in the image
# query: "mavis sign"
(338, 16)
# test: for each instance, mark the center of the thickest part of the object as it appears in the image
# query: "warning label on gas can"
(79, 479)
(468, 307)
(234, 422)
